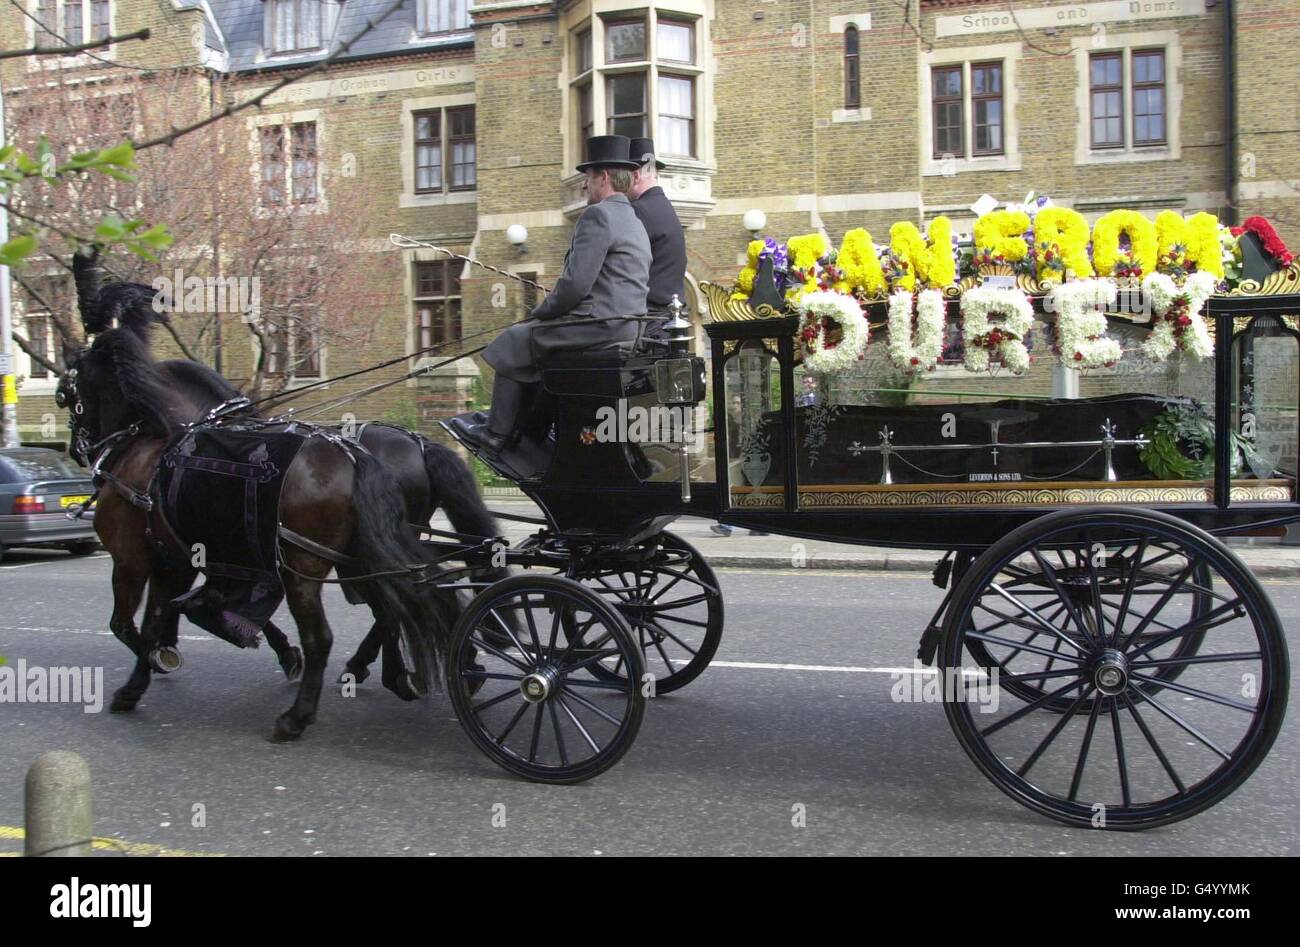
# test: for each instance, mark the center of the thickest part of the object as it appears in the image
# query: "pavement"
(1265, 556)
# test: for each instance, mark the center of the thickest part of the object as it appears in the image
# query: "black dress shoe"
(484, 438)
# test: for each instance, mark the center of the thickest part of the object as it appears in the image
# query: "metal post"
(1065, 382)
(8, 386)
(58, 806)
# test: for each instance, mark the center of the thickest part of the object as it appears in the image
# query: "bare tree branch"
(67, 50)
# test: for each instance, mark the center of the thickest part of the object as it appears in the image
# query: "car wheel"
(83, 547)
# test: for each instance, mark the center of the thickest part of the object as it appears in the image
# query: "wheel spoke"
(523, 709)
(1193, 692)
(537, 733)
(509, 632)
(559, 737)
(680, 643)
(598, 711)
(994, 639)
(619, 686)
(1119, 753)
(1083, 750)
(693, 622)
(1052, 629)
(1199, 659)
(1170, 715)
(1062, 595)
(490, 676)
(1164, 599)
(591, 741)
(1047, 741)
(498, 653)
(590, 659)
(1028, 708)
(505, 695)
(1150, 737)
(1210, 619)
(1129, 585)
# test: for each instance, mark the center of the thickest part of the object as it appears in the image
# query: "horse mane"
(129, 304)
(149, 397)
(202, 383)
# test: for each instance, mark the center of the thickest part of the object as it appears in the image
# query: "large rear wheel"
(1086, 723)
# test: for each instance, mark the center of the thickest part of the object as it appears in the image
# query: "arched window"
(852, 78)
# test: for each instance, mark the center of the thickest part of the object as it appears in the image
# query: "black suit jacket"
(667, 247)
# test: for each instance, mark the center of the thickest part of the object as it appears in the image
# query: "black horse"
(429, 475)
(335, 500)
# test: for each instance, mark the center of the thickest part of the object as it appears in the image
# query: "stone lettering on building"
(1073, 14)
(369, 84)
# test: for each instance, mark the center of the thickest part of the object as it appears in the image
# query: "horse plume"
(130, 305)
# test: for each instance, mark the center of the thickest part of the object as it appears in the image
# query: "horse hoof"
(123, 703)
(291, 664)
(353, 675)
(165, 659)
(407, 688)
(287, 729)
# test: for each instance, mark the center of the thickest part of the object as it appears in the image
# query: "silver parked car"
(37, 486)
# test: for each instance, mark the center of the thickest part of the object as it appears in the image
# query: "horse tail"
(409, 600)
(452, 486)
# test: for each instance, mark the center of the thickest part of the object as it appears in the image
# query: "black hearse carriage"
(1103, 656)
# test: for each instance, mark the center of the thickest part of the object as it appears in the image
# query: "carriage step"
(929, 645)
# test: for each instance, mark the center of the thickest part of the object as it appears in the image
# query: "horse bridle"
(98, 452)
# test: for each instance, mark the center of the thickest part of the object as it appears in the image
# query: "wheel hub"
(1110, 672)
(539, 685)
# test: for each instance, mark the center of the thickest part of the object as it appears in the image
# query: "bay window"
(637, 74)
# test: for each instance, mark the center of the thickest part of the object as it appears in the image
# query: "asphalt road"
(717, 768)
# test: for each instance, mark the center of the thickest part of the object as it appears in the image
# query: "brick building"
(463, 119)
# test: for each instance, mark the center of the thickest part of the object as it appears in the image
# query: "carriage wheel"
(1069, 578)
(673, 604)
(531, 706)
(1133, 749)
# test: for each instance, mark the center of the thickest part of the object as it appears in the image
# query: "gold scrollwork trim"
(1286, 280)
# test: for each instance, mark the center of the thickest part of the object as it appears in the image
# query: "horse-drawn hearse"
(1141, 672)
(1077, 427)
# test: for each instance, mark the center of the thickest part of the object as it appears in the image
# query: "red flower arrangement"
(1272, 243)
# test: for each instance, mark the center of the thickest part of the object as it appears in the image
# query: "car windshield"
(21, 467)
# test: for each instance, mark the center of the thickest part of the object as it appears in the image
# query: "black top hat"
(643, 148)
(608, 151)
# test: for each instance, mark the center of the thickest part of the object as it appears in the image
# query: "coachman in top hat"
(603, 284)
(667, 241)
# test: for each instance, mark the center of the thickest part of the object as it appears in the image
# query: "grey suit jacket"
(607, 268)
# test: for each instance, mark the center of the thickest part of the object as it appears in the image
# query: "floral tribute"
(1080, 327)
(1110, 256)
(1177, 316)
(916, 329)
(1004, 341)
(1178, 261)
(833, 332)
(1273, 244)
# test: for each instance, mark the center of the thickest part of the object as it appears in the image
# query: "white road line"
(842, 669)
(46, 562)
(88, 631)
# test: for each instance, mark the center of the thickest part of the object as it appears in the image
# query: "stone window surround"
(409, 293)
(838, 25)
(257, 122)
(32, 387)
(37, 63)
(1126, 43)
(1010, 55)
(294, 381)
(686, 181)
(408, 197)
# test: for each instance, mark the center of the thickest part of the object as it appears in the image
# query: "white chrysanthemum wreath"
(816, 309)
(916, 347)
(1177, 315)
(1007, 339)
(1080, 327)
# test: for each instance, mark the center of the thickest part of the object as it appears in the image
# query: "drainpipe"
(1230, 108)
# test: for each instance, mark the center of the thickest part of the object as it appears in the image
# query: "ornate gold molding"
(1275, 284)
